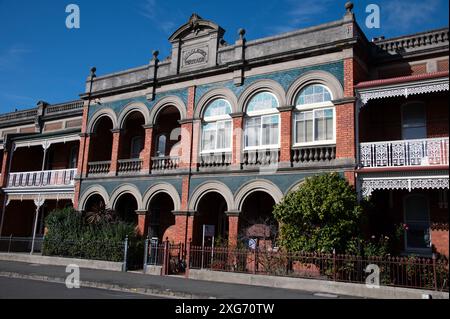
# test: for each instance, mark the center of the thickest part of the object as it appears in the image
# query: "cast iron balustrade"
(167, 163)
(215, 160)
(315, 154)
(42, 179)
(260, 158)
(130, 166)
(99, 168)
(407, 153)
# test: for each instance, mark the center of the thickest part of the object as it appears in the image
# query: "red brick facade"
(286, 136)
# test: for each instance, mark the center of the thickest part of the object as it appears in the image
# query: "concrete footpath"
(175, 287)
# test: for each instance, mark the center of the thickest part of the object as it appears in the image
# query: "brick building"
(217, 134)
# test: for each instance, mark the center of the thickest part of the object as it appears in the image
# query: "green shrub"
(322, 215)
(69, 235)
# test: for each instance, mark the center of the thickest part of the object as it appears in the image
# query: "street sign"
(209, 231)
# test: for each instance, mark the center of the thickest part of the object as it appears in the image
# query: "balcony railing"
(260, 158)
(317, 154)
(42, 178)
(408, 153)
(130, 166)
(99, 168)
(215, 160)
(165, 163)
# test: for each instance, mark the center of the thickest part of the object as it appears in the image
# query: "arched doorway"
(161, 216)
(101, 141)
(257, 225)
(211, 211)
(126, 207)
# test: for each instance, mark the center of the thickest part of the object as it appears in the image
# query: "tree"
(322, 215)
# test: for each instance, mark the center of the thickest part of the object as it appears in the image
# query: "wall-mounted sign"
(195, 56)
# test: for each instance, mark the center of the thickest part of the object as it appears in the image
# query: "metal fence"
(406, 272)
(20, 244)
(129, 253)
(170, 257)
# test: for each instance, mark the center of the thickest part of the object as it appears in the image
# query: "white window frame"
(263, 114)
(315, 107)
(412, 249)
(216, 120)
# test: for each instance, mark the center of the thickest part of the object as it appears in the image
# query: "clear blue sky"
(40, 59)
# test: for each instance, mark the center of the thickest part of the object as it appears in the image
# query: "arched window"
(217, 127)
(315, 117)
(417, 219)
(262, 127)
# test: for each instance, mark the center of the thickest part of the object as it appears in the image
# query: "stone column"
(115, 152)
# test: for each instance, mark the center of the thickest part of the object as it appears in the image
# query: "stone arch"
(98, 115)
(222, 93)
(295, 187)
(134, 107)
(165, 102)
(162, 188)
(315, 77)
(260, 86)
(209, 187)
(260, 185)
(91, 191)
(126, 189)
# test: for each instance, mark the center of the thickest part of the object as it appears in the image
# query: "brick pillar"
(286, 135)
(186, 140)
(233, 229)
(439, 236)
(84, 155)
(196, 128)
(349, 74)
(345, 131)
(115, 152)
(142, 223)
(146, 154)
(238, 127)
(5, 167)
(184, 227)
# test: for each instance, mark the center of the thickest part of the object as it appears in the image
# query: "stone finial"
(241, 33)
(155, 55)
(93, 70)
(349, 7)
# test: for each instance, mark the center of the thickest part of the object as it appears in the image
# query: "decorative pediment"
(196, 27)
(195, 45)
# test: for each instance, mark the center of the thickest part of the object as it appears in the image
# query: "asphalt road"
(11, 288)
